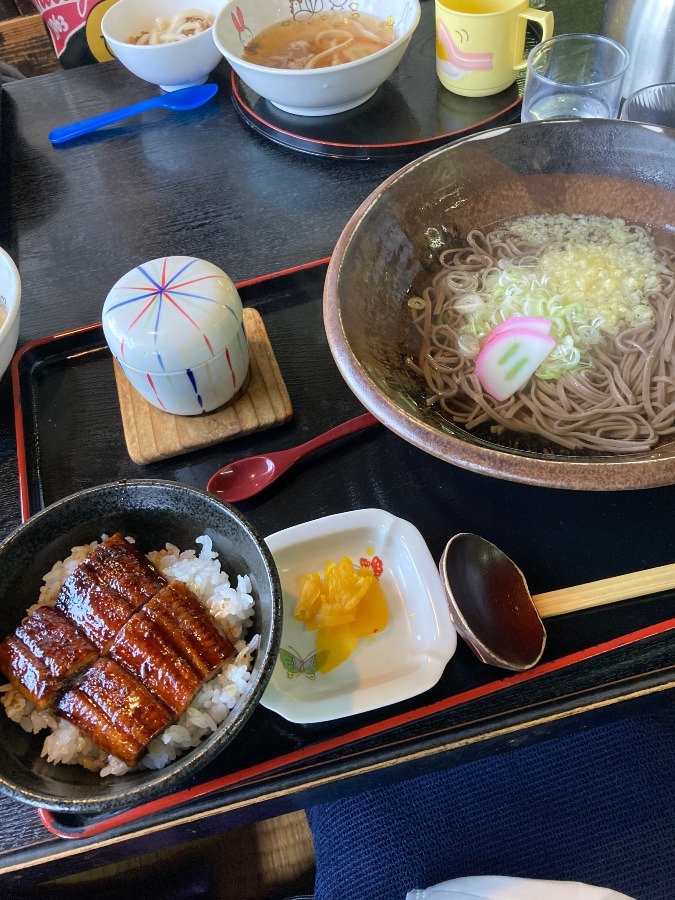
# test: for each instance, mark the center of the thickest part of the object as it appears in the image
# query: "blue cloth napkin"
(597, 807)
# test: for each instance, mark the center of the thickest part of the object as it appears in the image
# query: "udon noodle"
(319, 41)
(609, 292)
(183, 25)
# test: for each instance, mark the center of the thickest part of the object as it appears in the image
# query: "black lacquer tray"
(64, 386)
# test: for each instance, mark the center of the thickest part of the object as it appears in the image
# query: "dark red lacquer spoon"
(244, 478)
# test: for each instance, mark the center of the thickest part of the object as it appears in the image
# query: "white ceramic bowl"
(171, 66)
(175, 325)
(312, 92)
(10, 299)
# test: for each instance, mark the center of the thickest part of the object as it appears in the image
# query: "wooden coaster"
(152, 434)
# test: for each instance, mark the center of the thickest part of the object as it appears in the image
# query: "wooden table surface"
(9, 9)
(205, 184)
(24, 41)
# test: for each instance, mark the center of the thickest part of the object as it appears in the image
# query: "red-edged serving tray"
(595, 660)
(318, 761)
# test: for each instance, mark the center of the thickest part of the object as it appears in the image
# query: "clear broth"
(327, 39)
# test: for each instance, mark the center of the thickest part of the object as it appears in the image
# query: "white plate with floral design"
(405, 659)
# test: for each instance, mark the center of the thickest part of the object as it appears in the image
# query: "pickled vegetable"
(343, 606)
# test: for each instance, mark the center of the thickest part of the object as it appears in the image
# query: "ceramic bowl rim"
(15, 298)
(309, 73)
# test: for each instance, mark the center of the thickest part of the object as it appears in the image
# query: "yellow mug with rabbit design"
(480, 44)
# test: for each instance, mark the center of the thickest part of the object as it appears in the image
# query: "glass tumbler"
(653, 105)
(577, 76)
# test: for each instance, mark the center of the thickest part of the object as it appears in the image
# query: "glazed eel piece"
(172, 645)
(144, 650)
(122, 653)
(44, 653)
(115, 710)
(188, 625)
(105, 590)
(54, 644)
(157, 662)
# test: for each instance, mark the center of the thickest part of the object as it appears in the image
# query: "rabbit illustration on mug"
(245, 33)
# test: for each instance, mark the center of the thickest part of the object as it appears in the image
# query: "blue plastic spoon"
(183, 99)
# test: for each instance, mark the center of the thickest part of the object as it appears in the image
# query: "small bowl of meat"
(140, 623)
(165, 42)
(311, 61)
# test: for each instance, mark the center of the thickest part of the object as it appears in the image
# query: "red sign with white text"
(74, 31)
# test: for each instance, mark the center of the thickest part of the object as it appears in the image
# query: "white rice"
(232, 608)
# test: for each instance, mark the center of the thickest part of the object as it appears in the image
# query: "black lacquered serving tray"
(70, 436)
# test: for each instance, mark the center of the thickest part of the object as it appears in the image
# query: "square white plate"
(405, 659)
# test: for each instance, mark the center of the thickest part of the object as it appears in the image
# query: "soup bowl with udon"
(166, 42)
(505, 303)
(315, 57)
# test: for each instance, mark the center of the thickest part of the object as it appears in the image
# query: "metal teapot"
(646, 28)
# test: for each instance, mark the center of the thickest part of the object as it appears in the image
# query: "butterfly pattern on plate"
(374, 564)
(295, 665)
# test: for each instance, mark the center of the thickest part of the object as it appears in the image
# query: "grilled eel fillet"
(45, 652)
(104, 591)
(122, 653)
(115, 710)
(154, 657)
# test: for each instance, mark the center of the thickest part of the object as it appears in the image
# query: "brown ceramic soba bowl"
(390, 249)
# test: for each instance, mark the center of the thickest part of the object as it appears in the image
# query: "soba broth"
(325, 39)
(3, 312)
(622, 402)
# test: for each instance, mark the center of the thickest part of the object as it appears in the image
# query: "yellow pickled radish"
(347, 604)
(309, 596)
(345, 585)
(331, 614)
(372, 614)
(334, 644)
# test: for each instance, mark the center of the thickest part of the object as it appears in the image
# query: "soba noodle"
(610, 384)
